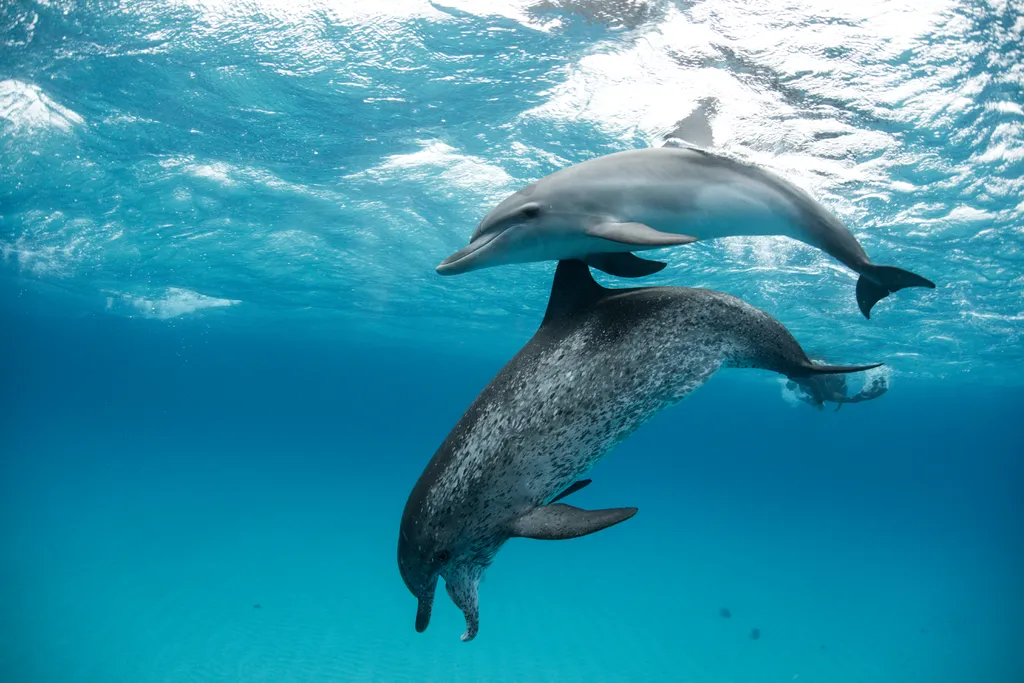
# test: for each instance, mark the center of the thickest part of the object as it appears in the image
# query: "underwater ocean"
(228, 357)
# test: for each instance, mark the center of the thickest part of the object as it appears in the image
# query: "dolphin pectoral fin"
(623, 264)
(465, 593)
(571, 489)
(637, 234)
(559, 522)
(472, 627)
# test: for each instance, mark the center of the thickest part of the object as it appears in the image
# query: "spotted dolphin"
(603, 362)
(603, 209)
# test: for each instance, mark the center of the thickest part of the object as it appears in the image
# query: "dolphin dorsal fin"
(695, 129)
(574, 288)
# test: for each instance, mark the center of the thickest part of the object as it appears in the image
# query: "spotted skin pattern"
(602, 364)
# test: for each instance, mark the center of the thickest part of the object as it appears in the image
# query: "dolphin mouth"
(461, 261)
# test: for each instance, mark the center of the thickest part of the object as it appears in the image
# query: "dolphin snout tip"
(445, 268)
(455, 264)
(469, 257)
(424, 606)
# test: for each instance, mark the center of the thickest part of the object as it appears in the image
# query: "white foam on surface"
(440, 161)
(26, 107)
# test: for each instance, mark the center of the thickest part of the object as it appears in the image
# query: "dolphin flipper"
(636, 234)
(623, 264)
(573, 488)
(559, 521)
(464, 590)
(878, 282)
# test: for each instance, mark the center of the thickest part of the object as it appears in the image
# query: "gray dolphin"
(603, 209)
(603, 362)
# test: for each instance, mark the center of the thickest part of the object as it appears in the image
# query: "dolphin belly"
(713, 209)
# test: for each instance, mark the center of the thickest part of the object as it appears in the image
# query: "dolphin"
(602, 363)
(603, 209)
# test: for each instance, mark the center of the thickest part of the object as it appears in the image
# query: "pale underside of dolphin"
(603, 209)
(603, 362)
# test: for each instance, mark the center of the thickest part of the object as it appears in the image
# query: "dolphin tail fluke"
(878, 282)
(623, 264)
(811, 369)
(559, 522)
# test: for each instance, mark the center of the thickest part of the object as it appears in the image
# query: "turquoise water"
(228, 356)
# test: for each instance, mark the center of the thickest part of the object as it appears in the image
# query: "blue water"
(227, 357)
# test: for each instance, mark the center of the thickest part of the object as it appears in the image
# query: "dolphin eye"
(530, 211)
(444, 556)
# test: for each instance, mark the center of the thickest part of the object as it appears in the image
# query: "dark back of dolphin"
(575, 293)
